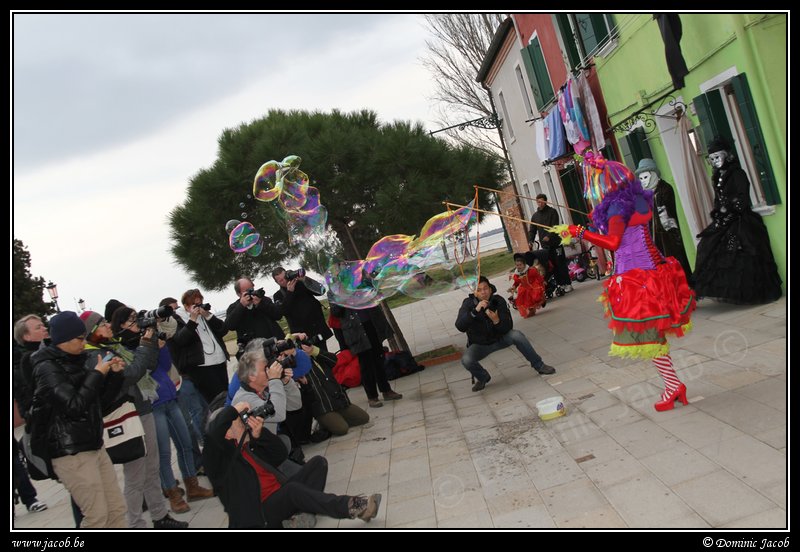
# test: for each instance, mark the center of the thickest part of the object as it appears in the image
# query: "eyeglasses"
(98, 326)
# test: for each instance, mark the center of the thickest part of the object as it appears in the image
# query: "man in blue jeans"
(487, 322)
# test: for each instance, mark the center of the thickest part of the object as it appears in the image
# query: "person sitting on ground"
(254, 493)
(529, 287)
(263, 380)
(486, 320)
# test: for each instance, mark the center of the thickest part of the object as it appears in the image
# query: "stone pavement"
(449, 458)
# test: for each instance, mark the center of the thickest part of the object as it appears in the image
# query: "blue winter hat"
(66, 326)
(647, 165)
(303, 362)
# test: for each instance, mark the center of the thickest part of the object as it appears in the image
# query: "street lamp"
(52, 290)
(82, 304)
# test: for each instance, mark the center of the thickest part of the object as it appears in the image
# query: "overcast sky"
(113, 114)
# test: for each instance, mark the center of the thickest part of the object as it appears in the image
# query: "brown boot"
(176, 502)
(177, 486)
(194, 491)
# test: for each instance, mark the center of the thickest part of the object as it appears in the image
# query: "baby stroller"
(551, 288)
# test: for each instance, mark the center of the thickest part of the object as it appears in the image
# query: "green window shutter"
(562, 19)
(711, 114)
(537, 73)
(754, 135)
(627, 156)
(593, 30)
(573, 192)
(634, 148)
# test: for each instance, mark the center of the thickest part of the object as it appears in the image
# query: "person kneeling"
(330, 404)
(256, 494)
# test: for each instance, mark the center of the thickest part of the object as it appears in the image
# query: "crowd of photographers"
(167, 368)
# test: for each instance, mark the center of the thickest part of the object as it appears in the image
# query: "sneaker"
(375, 403)
(392, 396)
(546, 369)
(479, 385)
(37, 506)
(364, 508)
(169, 523)
(568, 288)
(300, 521)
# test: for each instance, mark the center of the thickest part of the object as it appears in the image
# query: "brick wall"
(509, 206)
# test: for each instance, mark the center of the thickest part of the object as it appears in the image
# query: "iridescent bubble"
(243, 237)
(230, 225)
(248, 196)
(242, 205)
(282, 248)
(243, 215)
(256, 249)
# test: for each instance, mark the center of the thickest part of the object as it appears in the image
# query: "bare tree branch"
(455, 55)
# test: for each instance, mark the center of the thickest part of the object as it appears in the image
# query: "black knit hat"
(111, 306)
(66, 326)
(719, 143)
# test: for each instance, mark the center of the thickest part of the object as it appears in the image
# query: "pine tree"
(388, 178)
(26, 290)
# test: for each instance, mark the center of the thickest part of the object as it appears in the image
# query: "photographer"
(364, 332)
(264, 377)
(138, 347)
(66, 422)
(297, 299)
(252, 315)
(198, 348)
(329, 403)
(487, 322)
(254, 493)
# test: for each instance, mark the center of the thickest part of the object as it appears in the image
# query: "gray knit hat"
(647, 165)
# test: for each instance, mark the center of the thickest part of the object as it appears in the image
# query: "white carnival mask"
(649, 179)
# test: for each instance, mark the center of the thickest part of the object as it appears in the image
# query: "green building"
(736, 86)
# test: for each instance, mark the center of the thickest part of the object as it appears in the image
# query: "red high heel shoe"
(669, 402)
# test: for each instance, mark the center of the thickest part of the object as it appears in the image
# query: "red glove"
(616, 227)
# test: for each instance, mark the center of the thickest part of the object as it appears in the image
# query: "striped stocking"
(664, 366)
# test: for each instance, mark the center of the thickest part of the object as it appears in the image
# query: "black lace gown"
(734, 257)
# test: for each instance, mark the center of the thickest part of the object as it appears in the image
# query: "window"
(729, 111)
(634, 148)
(522, 90)
(538, 75)
(506, 118)
(584, 34)
(526, 191)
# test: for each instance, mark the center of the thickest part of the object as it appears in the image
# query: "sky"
(114, 113)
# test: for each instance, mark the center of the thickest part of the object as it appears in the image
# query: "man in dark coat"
(666, 231)
(546, 216)
(297, 300)
(486, 320)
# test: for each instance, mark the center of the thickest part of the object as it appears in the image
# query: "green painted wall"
(635, 73)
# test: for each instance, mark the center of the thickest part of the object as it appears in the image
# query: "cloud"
(114, 115)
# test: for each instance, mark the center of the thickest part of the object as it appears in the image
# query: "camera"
(292, 274)
(273, 349)
(264, 411)
(148, 319)
(260, 293)
(204, 306)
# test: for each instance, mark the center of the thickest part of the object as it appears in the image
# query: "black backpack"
(399, 364)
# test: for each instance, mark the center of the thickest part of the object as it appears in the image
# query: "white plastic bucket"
(550, 408)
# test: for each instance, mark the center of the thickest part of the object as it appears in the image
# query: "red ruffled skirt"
(645, 306)
(530, 293)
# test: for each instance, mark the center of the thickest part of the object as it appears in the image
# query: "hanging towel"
(590, 110)
(541, 141)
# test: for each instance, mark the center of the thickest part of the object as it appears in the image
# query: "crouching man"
(486, 320)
